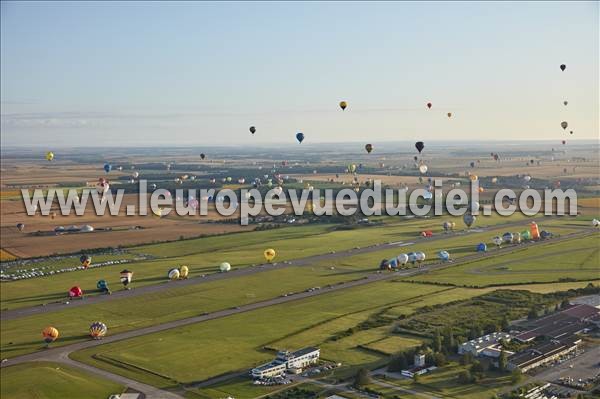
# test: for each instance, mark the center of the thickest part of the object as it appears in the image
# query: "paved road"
(56, 306)
(61, 354)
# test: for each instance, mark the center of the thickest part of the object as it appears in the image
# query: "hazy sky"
(202, 73)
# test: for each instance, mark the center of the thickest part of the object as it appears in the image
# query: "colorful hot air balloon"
(269, 254)
(343, 105)
(49, 156)
(173, 274)
(535, 232)
(563, 67)
(508, 237)
(444, 256)
(419, 145)
(107, 167)
(183, 272)
(21, 226)
(125, 278)
(75, 292)
(50, 334)
(469, 219)
(497, 240)
(300, 137)
(369, 148)
(429, 105)
(402, 259)
(526, 235)
(481, 247)
(85, 260)
(564, 125)
(98, 330)
(102, 285)
(224, 267)
(420, 257)
(252, 129)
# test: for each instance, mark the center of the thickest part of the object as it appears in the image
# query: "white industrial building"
(487, 345)
(292, 362)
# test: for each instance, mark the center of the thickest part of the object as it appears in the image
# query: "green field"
(543, 262)
(46, 380)
(215, 347)
(203, 255)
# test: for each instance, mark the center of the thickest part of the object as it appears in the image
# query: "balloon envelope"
(98, 329)
(343, 105)
(300, 137)
(173, 274)
(419, 145)
(224, 267)
(50, 334)
(252, 129)
(270, 254)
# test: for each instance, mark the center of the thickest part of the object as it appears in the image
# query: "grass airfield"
(181, 358)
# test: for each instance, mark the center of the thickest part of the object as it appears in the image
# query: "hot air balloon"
(595, 222)
(21, 226)
(403, 259)
(173, 274)
(202, 156)
(473, 177)
(50, 334)
(481, 247)
(527, 178)
(384, 265)
(571, 132)
(423, 169)
(420, 257)
(563, 67)
(419, 145)
(497, 240)
(564, 125)
(447, 226)
(429, 105)
(49, 156)
(545, 234)
(224, 267)
(469, 219)
(300, 137)
(393, 263)
(98, 330)
(565, 102)
(508, 237)
(444, 256)
(516, 238)
(269, 254)
(343, 105)
(252, 129)
(85, 260)
(102, 186)
(526, 235)
(535, 232)
(126, 276)
(102, 285)
(472, 164)
(449, 114)
(75, 292)
(183, 272)
(369, 148)
(494, 180)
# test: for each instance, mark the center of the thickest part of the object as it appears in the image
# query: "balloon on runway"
(49, 156)
(126, 276)
(21, 226)
(98, 330)
(184, 271)
(75, 292)
(269, 254)
(444, 256)
(50, 334)
(173, 274)
(481, 247)
(224, 267)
